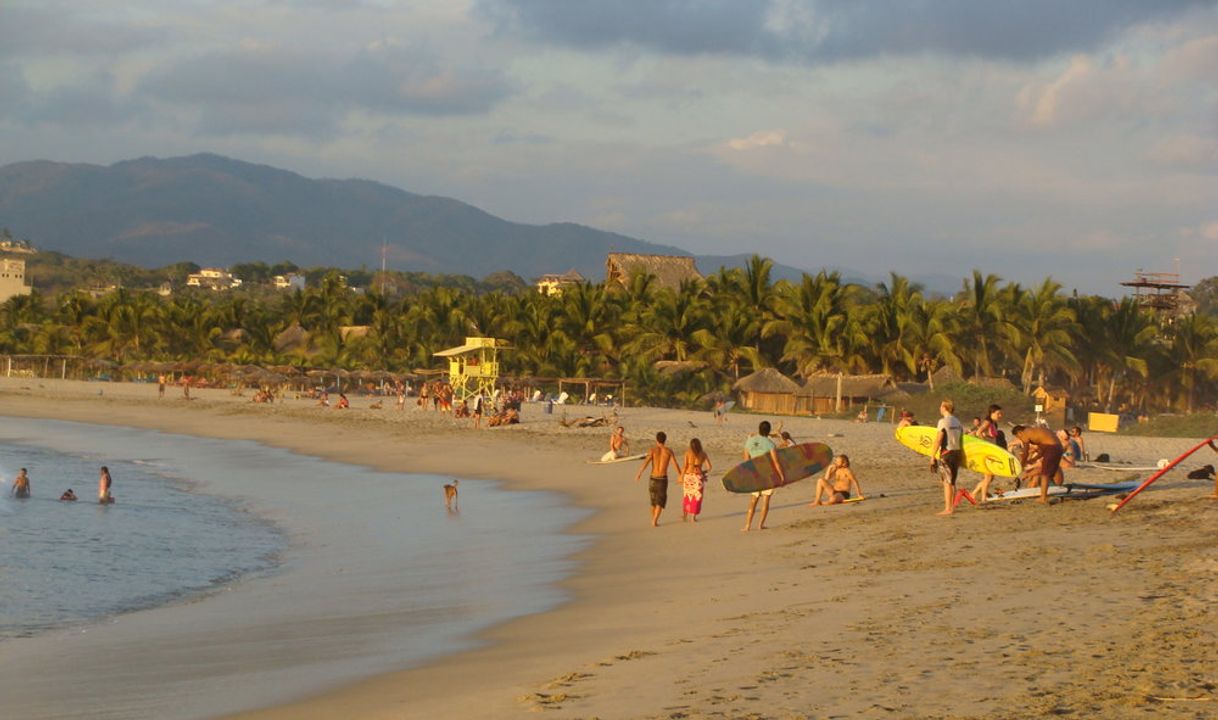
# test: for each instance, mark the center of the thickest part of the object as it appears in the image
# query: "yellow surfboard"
(979, 456)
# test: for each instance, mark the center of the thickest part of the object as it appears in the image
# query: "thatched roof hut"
(767, 390)
(819, 394)
(293, 339)
(669, 270)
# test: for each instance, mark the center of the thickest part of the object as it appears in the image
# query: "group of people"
(22, 489)
(836, 486)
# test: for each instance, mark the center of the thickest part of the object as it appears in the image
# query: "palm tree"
(981, 314)
(1193, 353)
(1043, 326)
(893, 332)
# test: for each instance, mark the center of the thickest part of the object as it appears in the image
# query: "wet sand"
(877, 609)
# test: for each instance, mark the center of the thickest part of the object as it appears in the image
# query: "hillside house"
(12, 279)
(291, 281)
(554, 284)
(669, 270)
(213, 279)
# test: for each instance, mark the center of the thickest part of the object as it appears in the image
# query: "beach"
(876, 609)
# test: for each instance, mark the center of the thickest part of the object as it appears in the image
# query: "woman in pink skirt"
(693, 480)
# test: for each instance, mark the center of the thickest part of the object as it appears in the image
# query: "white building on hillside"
(213, 279)
(12, 279)
(291, 281)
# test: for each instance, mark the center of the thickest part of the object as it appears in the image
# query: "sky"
(1029, 138)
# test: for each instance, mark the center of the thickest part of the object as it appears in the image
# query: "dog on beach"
(450, 496)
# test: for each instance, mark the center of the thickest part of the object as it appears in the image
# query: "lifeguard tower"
(473, 367)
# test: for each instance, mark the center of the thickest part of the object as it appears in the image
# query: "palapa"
(669, 270)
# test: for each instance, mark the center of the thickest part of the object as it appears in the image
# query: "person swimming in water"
(68, 496)
(21, 485)
(103, 486)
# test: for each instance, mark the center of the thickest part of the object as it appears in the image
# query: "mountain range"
(214, 210)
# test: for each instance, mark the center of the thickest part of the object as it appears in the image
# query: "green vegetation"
(1111, 355)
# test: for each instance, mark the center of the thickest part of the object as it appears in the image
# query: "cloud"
(759, 139)
(276, 90)
(1187, 152)
(62, 29)
(817, 31)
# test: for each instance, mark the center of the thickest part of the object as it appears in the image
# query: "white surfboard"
(626, 458)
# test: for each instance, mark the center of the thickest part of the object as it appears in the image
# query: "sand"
(877, 609)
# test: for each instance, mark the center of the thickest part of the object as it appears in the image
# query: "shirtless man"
(756, 446)
(659, 457)
(1050, 449)
(836, 483)
(618, 445)
(21, 485)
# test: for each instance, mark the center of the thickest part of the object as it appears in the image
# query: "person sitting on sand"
(862, 416)
(1077, 448)
(1046, 442)
(836, 484)
(619, 446)
(755, 447)
(21, 485)
(659, 457)
(343, 402)
(68, 496)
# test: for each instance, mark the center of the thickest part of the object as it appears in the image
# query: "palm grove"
(1108, 352)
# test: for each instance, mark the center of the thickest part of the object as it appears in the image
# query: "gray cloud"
(815, 31)
(90, 101)
(54, 29)
(309, 92)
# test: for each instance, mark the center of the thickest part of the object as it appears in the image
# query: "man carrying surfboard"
(1050, 449)
(949, 451)
(756, 446)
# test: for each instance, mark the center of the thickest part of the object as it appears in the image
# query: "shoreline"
(668, 612)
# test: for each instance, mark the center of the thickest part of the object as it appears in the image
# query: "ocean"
(231, 575)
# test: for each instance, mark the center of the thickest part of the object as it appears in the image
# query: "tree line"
(1108, 352)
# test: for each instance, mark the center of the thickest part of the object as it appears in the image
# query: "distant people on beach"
(104, 483)
(619, 446)
(754, 447)
(907, 419)
(948, 453)
(160, 386)
(68, 496)
(693, 480)
(837, 483)
(323, 400)
(343, 402)
(659, 457)
(1049, 448)
(450, 496)
(720, 412)
(21, 484)
(186, 383)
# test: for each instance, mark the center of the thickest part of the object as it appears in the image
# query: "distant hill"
(214, 210)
